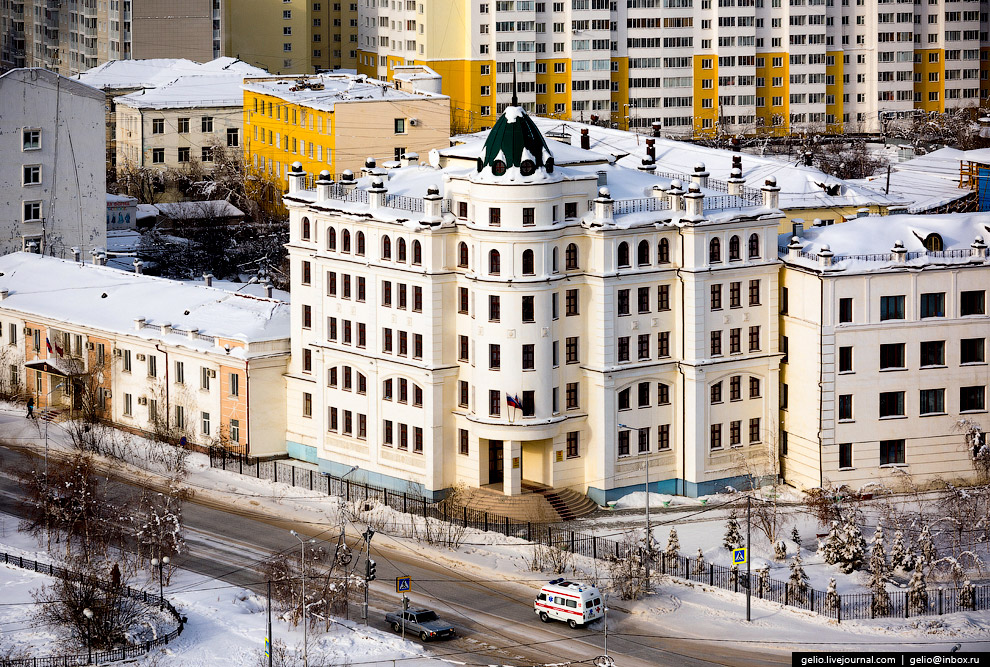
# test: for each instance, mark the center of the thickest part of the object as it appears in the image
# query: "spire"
(515, 100)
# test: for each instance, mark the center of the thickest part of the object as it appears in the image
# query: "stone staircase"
(536, 503)
(568, 504)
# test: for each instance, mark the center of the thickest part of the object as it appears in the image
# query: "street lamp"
(88, 613)
(302, 562)
(649, 534)
(160, 564)
(48, 421)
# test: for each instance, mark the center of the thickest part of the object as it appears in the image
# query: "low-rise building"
(53, 187)
(145, 353)
(333, 122)
(884, 327)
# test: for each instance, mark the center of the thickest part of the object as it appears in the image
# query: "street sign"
(739, 556)
(403, 584)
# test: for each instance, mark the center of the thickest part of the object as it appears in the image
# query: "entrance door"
(494, 461)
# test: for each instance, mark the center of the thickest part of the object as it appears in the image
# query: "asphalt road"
(495, 620)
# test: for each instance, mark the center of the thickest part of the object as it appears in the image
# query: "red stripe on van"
(576, 597)
(565, 611)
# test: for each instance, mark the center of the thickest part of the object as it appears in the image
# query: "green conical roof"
(515, 139)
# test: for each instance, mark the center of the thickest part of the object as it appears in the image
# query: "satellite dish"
(434, 158)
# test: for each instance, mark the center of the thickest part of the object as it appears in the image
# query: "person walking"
(30, 414)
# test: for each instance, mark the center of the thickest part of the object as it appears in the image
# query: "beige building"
(145, 353)
(884, 326)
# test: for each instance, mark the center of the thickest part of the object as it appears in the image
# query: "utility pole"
(369, 571)
(269, 640)
(749, 558)
(302, 562)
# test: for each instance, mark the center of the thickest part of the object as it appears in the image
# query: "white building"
(884, 325)
(625, 317)
(52, 192)
(207, 362)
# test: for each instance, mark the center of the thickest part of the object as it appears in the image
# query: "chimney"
(409, 159)
(166, 329)
(376, 194)
(979, 250)
(694, 201)
(192, 333)
(825, 256)
(297, 179)
(604, 207)
(137, 266)
(208, 279)
(734, 144)
(736, 182)
(323, 186)
(676, 195)
(794, 248)
(268, 290)
(648, 165)
(898, 253)
(369, 166)
(651, 149)
(585, 139)
(797, 227)
(809, 158)
(659, 192)
(771, 193)
(817, 222)
(95, 253)
(700, 175)
(737, 162)
(432, 207)
(347, 180)
(602, 178)
(4, 294)
(656, 128)
(139, 323)
(76, 254)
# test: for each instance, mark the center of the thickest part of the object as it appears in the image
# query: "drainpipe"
(680, 369)
(167, 402)
(247, 407)
(821, 379)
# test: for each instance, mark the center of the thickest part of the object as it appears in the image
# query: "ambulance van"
(569, 601)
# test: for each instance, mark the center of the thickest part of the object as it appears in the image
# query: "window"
(754, 292)
(386, 248)
(663, 297)
(622, 255)
(529, 216)
(754, 430)
(845, 455)
(733, 247)
(494, 402)
(32, 211)
(845, 310)
(972, 303)
(735, 341)
(153, 366)
(307, 405)
(494, 357)
(183, 126)
(735, 388)
(235, 430)
(972, 398)
(31, 140)
(845, 407)
(716, 297)
(754, 339)
(573, 444)
(623, 352)
(932, 401)
(716, 343)
(622, 302)
(158, 126)
(571, 257)
(891, 308)
(399, 125)
(754, 387)
(494, 263)
(157, 155)
(462, 348)
(716, 392)
(735, 295)
(528, 309)
(933, 305)
(494, 308)
(891, 404)
(643, 253)
(233, 137)
(715, 440)
(663, 252)
(31, 174)
(891, 452)
(462, 254)
(529, 403)
(663, 344)
(754, 246)
(623, 444)
(932, 353)
(571, 395)
(400, 250)
(971, 351)
(571, 350)
(205, 418)
(845, 359)
(891, 355)
(528, 263)
(571, 302)
(180, 417)
(463, 441)
(206, 123)
(714, 251)
(494, 217)
(570, 209)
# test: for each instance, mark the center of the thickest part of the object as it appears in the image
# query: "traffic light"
(371, 568)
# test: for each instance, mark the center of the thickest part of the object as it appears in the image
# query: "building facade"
(144, 353)
(884, 325)
(333, 122)
(512, 322)
(54, 182)
(695, 66)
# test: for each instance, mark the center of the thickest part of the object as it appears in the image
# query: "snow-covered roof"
(925, 182)
(865, 244)
(323, 91)
(191, 91)
(800, 186)
(152, 73)
(107, 299)
(120, 199)
(183, 210)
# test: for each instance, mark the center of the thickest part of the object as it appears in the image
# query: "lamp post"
(160, 564)
(88, 613)
(649, 534)
(47, 421)
(302, 562)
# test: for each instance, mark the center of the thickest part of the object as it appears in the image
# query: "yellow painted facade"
(705, 94)
(773, 118)
(277, 133)
(931, 69)
(833, 91)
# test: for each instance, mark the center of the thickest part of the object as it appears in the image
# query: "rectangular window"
(754, 430)
(891, 452)
(494, 308)
(571, 395)
(463, 391)
(845, 310)
(235, 430)
(735, 341)
(663, 437)
(528, 357)
(716, 297)
(463, 441)
(754, 292)
(31, 140)
(932, 401)
(972, 303)
(623, 444)
(528, 309)
(623, 348)
(622, 302)
(932, 353)
(571, 350)
(754, 387)
(735, 388)
(933, 305)
(754, 339)
(972, 398)
(891, 308)
(715, 439)
(462, 300)
(529, 216)
(494, 217)
(529, 403)
(644, 440)
(206, 422)
(845, 359)
(845, 455)
(153, 366)
(128, 404)
(891, 404)
(891, 356)
(716, 343)
(845, 407)
(571, 302)
(735, 295)
(663, 297)
(735, 433)
(31, 174)
(494, 357)
(573, 449)
(387, 433)
(494, 402)
(972, 351)
(307, 405)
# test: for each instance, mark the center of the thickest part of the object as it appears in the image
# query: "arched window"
(933, 243)
(494, 263)
(331, 239)
(359, 243)
(528, 263)
(345, 241)
(663, 252)
(386, 248)
(643, 253)
(754, 246)
(553, 260)
(462, 255)
(623, 254)
(417, 248)
(715, 250)
(305, 231)
(400, 250)
(571, 257)
(733, 247)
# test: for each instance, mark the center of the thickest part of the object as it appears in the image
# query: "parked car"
(423, 622)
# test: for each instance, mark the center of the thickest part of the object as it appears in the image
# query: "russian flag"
(513, 402)
(48, 344)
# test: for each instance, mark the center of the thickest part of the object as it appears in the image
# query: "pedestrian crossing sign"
(403, 584)
(739, 556)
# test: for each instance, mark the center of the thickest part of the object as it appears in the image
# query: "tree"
(763, 577)
(880, 602)
(917, 596)
(628, 572)
(160, 531)
(673, 548)
(761, 468)
(853, 547)
(967, 596)
(798, 581)
(780, 550)
(699, 562)
(978, 446)
(878, 553)
(732, 539)
(796, 537)
(832, 600)
(926, 545)
(831, 549)
(900, 557)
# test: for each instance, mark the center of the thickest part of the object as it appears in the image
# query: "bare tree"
(760, 466)
(160, 530)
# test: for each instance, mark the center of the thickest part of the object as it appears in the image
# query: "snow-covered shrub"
(732, 539)
(878, 553)
(780, 550)
(796, 537)
(917, 596)
(797, 583)
(832, 600)
(853, 549)
(699, 562)
(926, 545)
(900, 557)
(831, 548)
(967, 596)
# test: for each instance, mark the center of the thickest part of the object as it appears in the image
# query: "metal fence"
(110, 655)
(839, 607)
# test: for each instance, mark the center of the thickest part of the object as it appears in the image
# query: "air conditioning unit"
(90, 346)
(414, 121)
(27, 331)
(142, 400)
(211, 373)
(118, 352)
(140, 357)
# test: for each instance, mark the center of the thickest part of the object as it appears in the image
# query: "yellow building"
(333, 122)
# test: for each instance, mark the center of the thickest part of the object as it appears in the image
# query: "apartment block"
(697, 67)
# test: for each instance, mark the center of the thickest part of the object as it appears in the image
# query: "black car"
(423, 622)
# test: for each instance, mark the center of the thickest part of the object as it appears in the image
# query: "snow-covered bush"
(699, 562)
(926, 545)
(797, 583)
(796, 537)
(832, 600)
(900, 557)
(917, 597)
(967, 596)
(853, 549)
(831, 548)
(732, 539)
(878, 553)
(780, 550)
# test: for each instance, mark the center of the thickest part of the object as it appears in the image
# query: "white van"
(569, 601)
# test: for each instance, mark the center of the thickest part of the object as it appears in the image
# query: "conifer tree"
(798, 581)
(780, 550)
(796, 537)
(880, 604)
(673, 548)
(967, 596)
(832, 600)
(853, 549)
(926, 545)
(918, 592)
(832, 546)
(878, 553)
(732, 539)
(899, 556)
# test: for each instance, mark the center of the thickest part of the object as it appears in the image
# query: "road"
(494, 619)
